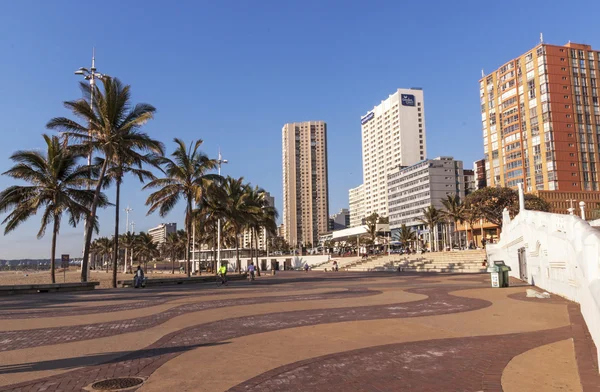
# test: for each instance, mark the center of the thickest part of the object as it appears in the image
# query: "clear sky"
(232, 73)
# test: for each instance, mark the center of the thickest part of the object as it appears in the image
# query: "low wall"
(558, 253)
(296, 261)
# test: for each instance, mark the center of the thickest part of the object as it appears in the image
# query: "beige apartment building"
(305, 189)
(541, 120)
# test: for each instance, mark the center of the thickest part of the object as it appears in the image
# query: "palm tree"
(105, 246)
(407, 235)
(431, 217)
(56, 186)
(371, 222)
(147, 249)
(128, 242)
(454, 212)
(186, 176)
(128, 161)
(261, 215)
(472, 215)
(234, 209)
(112, 128)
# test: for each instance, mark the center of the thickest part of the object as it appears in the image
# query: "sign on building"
(408, 100)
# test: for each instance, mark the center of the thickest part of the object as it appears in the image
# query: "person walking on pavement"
(251, 270)
(138, 280)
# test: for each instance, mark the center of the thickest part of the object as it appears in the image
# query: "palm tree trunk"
(450, 232)
(256, 246)
(53, 255)
(173, 263)
(238, 264)
(188, 224)
(116, 250)
(89, 223)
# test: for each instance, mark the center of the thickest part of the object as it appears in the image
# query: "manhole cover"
(117, 383)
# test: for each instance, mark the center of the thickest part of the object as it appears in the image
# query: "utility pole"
(220, 160)
(90, 75)
(127, 211)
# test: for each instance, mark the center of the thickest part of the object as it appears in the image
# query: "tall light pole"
(127, 211)
(91, 75)
(131, 257)
(220, 161)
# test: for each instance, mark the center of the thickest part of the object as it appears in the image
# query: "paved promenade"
(299, 332)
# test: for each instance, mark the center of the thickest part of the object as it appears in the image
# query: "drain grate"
(117, 383)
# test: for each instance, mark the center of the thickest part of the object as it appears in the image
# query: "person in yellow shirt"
(223, 274)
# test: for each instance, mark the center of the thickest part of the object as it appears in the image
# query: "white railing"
(558, 253)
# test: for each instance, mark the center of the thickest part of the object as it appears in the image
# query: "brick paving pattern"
(457, 364)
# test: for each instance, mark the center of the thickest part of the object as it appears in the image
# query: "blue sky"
(233, 73)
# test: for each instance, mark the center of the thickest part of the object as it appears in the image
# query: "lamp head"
(79, 72)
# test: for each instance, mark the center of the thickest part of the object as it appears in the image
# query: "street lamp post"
(91, 75)
(220, 161)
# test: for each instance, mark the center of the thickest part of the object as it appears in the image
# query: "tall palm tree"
(112, 128)
(128, 161)
(431, 218)
(56, 187)
(472, 215)
(128, 242)
(186, 177)
(371, 222)
(454, 211)
(407, 236)
(236, 209)
(105, 246)
(261, 215)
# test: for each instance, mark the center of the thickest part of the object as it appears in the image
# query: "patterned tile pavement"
(441, 363)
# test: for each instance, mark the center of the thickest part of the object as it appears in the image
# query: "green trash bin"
(505, 279)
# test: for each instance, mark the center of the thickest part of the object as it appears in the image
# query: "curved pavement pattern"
(304, 332)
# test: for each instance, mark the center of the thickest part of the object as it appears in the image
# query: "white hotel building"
(393, 134)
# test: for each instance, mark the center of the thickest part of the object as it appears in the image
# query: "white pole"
(193, 242)
(582, 207)
(127, 210)
(220, 160)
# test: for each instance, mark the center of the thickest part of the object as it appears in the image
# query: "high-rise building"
(160, 232)
(480, 176)
(305, 190)
(340, 220)
(541, 119)
(356, 198)
(413, 188)
(261, 235)
(469, 180)
(393, 134)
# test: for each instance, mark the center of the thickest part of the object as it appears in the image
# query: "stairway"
(465, 261)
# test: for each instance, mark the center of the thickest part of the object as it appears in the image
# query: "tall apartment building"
(261, 238)
(470, 182)
(480, 174)
(160, 232)
(356, 198)
(541, 120)
(393, 134)
(422, 185)
(305, 190)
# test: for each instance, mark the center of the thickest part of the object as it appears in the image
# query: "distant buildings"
(393, 133)
(356, 205)
(339, 221)
(413, 188)
(160, 232)
(469, 180)
(305, 189)
(540, 117)
(480, 174)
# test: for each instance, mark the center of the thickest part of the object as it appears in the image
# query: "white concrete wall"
(563, 257)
